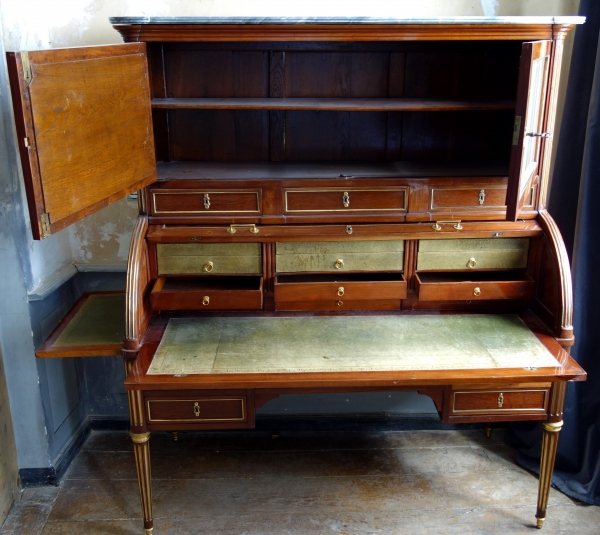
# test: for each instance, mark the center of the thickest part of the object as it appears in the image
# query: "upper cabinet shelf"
(333, 104)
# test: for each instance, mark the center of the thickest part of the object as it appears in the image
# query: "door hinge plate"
(45, 221)
(27, 74)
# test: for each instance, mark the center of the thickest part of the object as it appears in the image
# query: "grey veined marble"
(347, 20)
(369, 343)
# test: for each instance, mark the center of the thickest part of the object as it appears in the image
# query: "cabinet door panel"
(85, 129)
(530, 121)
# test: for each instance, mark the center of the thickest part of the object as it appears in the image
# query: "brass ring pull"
(196, 409)
(500, 399)
(339, 303)
(341, 291)
(477, 291)
(346, 199)
(471, 263)
(205, 300)
(208, 267)
(339, 264)
(206, 201)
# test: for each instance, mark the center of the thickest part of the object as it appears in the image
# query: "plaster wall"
(9, 467)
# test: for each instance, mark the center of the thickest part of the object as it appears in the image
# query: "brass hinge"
(27, 74)
(45, 221)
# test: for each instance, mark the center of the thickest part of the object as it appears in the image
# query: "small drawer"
(295, 257)
(499, 401)
(342, 200)
(474, 286)
(190, 410)
(166, 202)
(208, 258)
(359, 287)
(207, 293)
(443, 199)
(467, 254)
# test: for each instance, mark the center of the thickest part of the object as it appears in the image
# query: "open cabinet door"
(528, 130)
(84, 124)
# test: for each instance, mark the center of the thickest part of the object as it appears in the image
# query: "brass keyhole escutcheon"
(339, 303)
(349, 229)
(341, 291)
(500, 399)
(205, 300)
(206, 201)
(471, 263)
(196, 409)
(208, 267)
(477, 291)
(481, 196)
(339, 264)
(346, 199)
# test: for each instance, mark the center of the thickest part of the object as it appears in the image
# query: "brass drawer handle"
(206, 201)
(205, 300)
(196, 410)
(208, 267)
(339, 264)
(500, 399)
(341, 291)
(251, 227)
(477, 291)
(481, 196)
(339, 303)
(454, 222)
(471, 263)
(346, 199)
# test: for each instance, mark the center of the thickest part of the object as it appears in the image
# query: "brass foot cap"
(148, 531)
(540, 522)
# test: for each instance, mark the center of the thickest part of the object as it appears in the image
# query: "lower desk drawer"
(474, 286)
(510, 401)
(212, 293)
(197, 410)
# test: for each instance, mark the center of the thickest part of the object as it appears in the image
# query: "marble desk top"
(347, 344)
(350, 20)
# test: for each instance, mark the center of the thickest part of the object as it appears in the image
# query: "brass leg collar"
(148, 531)
(552, 427)
(140, 438)
(540, 522)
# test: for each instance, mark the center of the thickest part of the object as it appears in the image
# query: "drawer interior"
(203, 284)
(340, 277)
(472, 276)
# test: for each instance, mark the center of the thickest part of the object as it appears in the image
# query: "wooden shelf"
(332, 104)
(178, 170)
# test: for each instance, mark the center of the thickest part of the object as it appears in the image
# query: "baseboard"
(104, 423)
(51, 475)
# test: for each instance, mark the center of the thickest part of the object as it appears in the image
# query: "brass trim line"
(195, 419)
(498, 410)
(204, 211)
(403, 189)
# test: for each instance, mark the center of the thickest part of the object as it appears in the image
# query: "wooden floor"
(300, 482)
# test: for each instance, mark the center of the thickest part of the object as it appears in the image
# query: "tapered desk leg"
(549, 443)
(141, 449)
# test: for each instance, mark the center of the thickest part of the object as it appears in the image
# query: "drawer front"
(463, 254)
(205, 203)
(474, 290)
(346, 200)
(500, 401)
(346, 290)
(197, 410)
(447, 199)
(339, 304)
(209, 258)
(339, 256)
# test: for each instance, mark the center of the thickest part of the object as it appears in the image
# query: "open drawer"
(482, 285)
(360, 291)
(207, 293)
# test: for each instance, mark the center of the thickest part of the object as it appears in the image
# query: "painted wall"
(9, 468)
(35, 389)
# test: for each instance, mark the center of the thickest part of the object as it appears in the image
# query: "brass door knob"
(471, 263)
(208, 267)
(205, 300)
(477, 291)
(341, 291)
(339, 264)
(196, 409)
